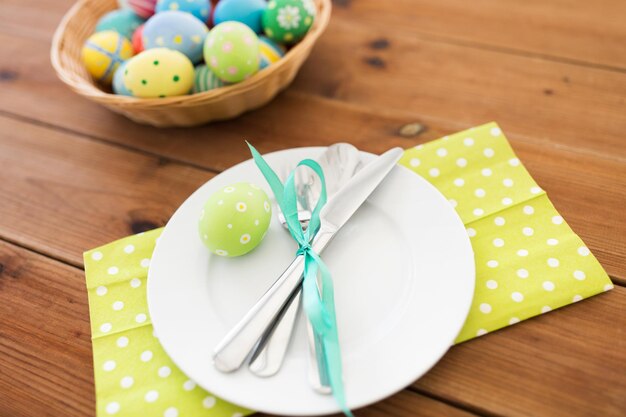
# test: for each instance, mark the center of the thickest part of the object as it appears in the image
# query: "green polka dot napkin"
(528, 262)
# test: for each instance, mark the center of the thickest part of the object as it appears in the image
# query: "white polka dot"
(229, 189)
(522, 252)
(135, 282)
(471, 232)
(145, 263)
(221, 252)
(608, 287)
(499, 221)
(579, 275)
(113, 270)
(241, 206)
(577, 298)
(491, 284)
(518, 297)
(528, 210)
(418, 147)
(151, 396)
(219, 203)
(553, 262)
(495, 131)
(522, 273)
(208, 402)
(256, 222)
(453, 202)
(461, 162)
(244, 239)
(507, 201)
(230, 226)
(548, 285)
(127, 382)
(140, 318)
(171, 412)
(492, 263)
(528, 231)
(112, 408)
(479, 192)
(108, 366)
(546, 309)
(106, 327)
(498, 243)
(513, 320)
(441, 152)
(459, 182)
(434, 172)
(468, 141)
(122, 341)
(189, 385)
(552, 242)
(514, 162)
(146, 355)
(414, 162)
(488, 152)
(118, 305)
(485, 308)
(96, 256)
(102, 290)
(557, 220)
(266, 206)
(583, 251)
(478, 212)
(129, 249)
(164, 371)
(535, 190)
(486, 172)
(481, 332)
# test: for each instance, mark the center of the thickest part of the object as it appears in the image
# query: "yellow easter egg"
(104, 52)
(159, 72)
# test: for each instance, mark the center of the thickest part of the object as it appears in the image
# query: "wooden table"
(553, 74)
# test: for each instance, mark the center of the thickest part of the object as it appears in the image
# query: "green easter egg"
(231, 50)
(287, 21)
(234, 220)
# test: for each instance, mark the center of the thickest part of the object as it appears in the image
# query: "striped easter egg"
(104, 52)
(144, 8)
(269, 52)
(205, 80)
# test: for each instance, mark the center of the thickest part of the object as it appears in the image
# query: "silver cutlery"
(236, 346)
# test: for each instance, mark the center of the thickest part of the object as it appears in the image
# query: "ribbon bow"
(319, 309)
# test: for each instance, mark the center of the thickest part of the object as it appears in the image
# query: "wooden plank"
(46, 361)
(570, 362)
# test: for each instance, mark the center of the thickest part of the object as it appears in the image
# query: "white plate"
(403, 269)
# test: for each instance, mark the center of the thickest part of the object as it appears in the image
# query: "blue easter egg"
(248, 12)
(199, 8)
(118, 81)
(123, 21)
(269, 52)
(175, 30)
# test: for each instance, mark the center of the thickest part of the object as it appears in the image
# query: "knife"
(236, 346)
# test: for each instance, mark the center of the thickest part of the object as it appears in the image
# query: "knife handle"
(235, 347)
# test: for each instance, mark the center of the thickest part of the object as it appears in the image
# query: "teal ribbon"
(319, 308)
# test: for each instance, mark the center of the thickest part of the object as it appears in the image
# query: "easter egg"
(231, 50)
(205, 80)
(118, 81)
(122, 21)
(104, 52)
(199, 8)
(287, 21)
(144, 8)
(248, 12)
(176, 30)
(269, 52)
(159, 72)
(137, 39)
(234, 220)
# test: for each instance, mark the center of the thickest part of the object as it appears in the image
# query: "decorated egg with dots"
(118, 81)
(234, 220)
(176, 30)
(104, 52)
(231, 51)
(269, 52)
(159, 72)
(206, 80)
(287, 21)
(123, 21)
(199, 8)
(248, 12)
(144, 8)
(137, 39)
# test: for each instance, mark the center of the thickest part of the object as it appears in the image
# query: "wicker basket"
(219, 104)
